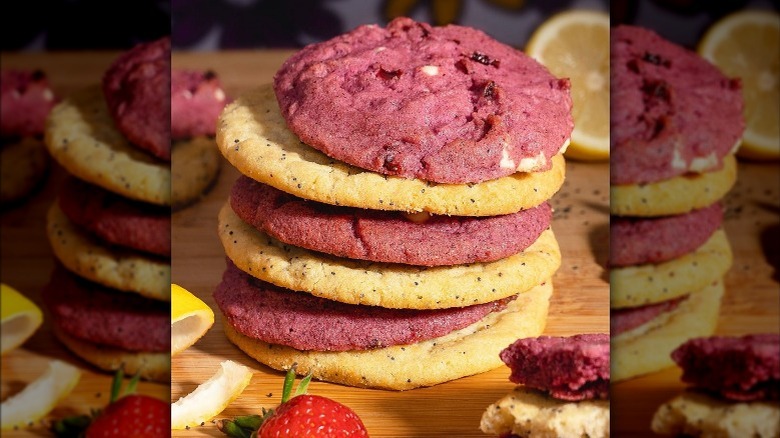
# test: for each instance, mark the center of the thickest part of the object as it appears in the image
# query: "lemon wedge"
(191, 318)
(575, 45)
(746, 45)
(20, 318)
(211, 397)
(39, 397)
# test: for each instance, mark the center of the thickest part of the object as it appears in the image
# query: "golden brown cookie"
(676, 195)
(118, 268)
(151, 366)
(465, 352)
(253, 136)
(384, 284)
(526, 412)
(648, 348)
(23, 165)
(646, 284)
(195, 165)
(698, 414)
(81, 136)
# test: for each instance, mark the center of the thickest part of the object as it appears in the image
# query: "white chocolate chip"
(506, 161)
(700, 164)
(678, 162)
(48, 95)
(430, 70)
(533, 163)
(187, 94)
(219, 94)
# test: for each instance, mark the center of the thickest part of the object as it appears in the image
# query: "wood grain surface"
(579, 305)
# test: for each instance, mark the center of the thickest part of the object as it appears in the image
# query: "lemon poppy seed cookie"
(471, 350)
(253, 137)
(444, 104)
(24, 164)
(81, 136)
(647, 348)
(116, 267)
(676, 195)
(195, 166)
(384, 284)
(299, 320)
(110, 329)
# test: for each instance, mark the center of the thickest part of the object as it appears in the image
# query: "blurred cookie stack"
(197, 98)
(109, 296)
(26, 101)
(391, 227)
(675, 124)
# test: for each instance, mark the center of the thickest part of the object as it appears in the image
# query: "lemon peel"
(211, 397)
(20, 318)
(39, 397)
(191, 318)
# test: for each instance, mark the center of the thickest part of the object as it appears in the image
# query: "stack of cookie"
(391, 228)
(109, 297)
(676, 122)
(197, 99)
(25, 101)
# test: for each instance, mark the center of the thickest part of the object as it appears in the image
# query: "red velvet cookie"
(115, 219)
(197, 99)
(443, 104)
(385, 236)
(137, 89)
(25, 101)
(628, 318)
(672, 112)
(742, 368)
(302, 321)
(568, 368)
(104, 316)
(637, 241)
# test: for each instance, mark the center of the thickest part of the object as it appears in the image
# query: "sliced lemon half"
(40, 396)
(575, 45)
(191, 318)
(20, 318)
(211, 397)
(746, 45)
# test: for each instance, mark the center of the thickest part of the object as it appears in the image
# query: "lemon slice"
(746, 45)
(20, 318)
(211, 397)
(575, 44)
(39, 397)
(191, 318)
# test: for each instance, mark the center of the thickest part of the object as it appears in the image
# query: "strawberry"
(131, 415)
(301, 416)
